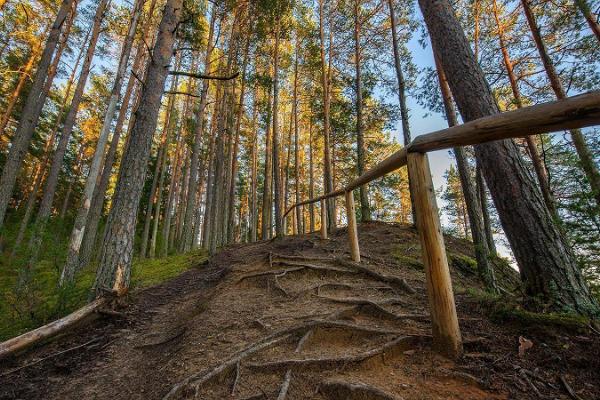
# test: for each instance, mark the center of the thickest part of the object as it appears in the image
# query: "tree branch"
(203, 76)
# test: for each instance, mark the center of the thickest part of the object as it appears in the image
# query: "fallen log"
(28, 339)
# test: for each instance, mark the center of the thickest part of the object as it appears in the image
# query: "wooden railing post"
(323, 219)
(446, 333)
(352, 232)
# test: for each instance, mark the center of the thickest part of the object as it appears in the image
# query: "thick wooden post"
(323, 219)
(446, 333)
(352, 232)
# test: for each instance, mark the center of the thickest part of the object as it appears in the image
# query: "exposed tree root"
(377, 308)
(336, 389)
(314, 266)
(288, 375)
(201, 377)
(346, 286)
(400, 343)
(168, 338)
(284, 257)
(392, 280)
(266, 273)
(238, 371)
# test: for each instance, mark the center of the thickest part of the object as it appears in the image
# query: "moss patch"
(41, 301)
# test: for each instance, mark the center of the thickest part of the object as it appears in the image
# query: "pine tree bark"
(365, 209)
(197, 146)
(114, 271)
(404, 116)
(538, 165)
(590, 18)
(31, 112)
(311, 177)
(68, 125)
(583, 151)
(70, 118)
(254, 170)
(276, 167)
(81, 219)
(299, 218)
(325, 83)
(547, 265)
(486, 272)
(267, 198)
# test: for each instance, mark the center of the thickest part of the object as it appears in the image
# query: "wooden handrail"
(570, 113)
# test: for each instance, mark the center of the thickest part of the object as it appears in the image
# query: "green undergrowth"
(40, 301)
(504, 309)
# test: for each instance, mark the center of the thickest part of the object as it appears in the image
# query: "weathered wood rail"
(571, 113)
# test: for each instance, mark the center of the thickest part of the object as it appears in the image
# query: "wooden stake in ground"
(352, 233)
(323, 220)
(446, 333)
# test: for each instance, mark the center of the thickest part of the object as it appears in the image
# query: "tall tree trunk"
(325, 82)
(483, 201)
(276, 162)
(404, 116)
(299, 220)
(474, 212)
(583, 151)
(95, 213)
(197, 146)
(590, 18)
(311, 177)
(68, 125)
(80, 224)
(169, 208)
(365, 210)
(31, 111)
(162, 148)
(234, 157)
(114, 271)
(14, 96)
(254, 170)
(207, 222)
(41, 173)
(267, 198)
(547, 264)
(538, 165)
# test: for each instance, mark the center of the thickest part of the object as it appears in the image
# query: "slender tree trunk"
(483, 201)
(70, 119)
(325, 82)
(68, 125)
(474, 212)
(197, 146)
(365, 210)
(311, 177)
(590, 18)
(538, 165)
(583, 151)
(267, 198)
(114, 271)
(96, 208)
(545, 259)
(234, 158)
(175, 172)
(14, 96)
(254, 170)
(206, 227)
(76, 171)
(299, 220)
(41, 173)
(276, 167)
(31, 112)
(404, 116)
(81, 219)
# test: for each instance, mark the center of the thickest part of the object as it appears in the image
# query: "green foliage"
(38, 300)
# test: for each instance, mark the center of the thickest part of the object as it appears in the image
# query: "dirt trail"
(293, 319)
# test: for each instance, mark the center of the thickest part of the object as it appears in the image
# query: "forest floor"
(294, 319)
